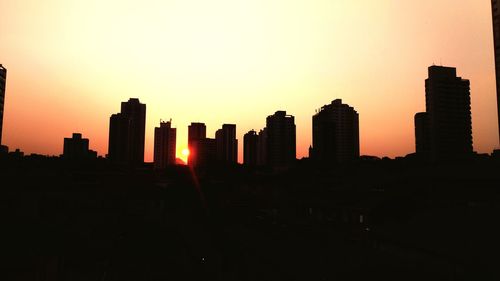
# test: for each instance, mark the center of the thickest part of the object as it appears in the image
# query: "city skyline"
(76, 96)
(249, 140)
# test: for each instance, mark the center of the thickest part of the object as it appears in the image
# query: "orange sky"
(70, 64)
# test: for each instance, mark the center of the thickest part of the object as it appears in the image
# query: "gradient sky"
(70, 64)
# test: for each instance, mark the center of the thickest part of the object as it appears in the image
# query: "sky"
(71, 63)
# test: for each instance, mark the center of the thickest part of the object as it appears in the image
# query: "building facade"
(445, 131)
(196, 133)
(495, 8)
(3, 83)
(281, 142)
(164, 145)
(262, 147)
(250, 152)
(77, 148)
(127, 133)
(335, 133)
(227, 144)
(422, 141)
(206, 152)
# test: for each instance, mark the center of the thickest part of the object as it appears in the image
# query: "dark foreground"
(371, 220)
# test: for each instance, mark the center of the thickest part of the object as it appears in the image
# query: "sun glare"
(185, 152)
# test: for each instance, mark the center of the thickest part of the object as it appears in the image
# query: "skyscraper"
(262, 147)
(448, 116)
(281, 149)
(206, 152)
(227, 144)
(164, 146)
(3, 80)
(126, 133)
(250, 151)
(495, 8)
(335, 133)
(422, 141)
(196, 132)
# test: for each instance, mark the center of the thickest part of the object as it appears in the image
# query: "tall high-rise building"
(3, 80)
(495, 8)
(196, 133)
(118, 136)
(127, 133)
(281, 148)
(335, 133)
(262, 147)
(250, 152)
(422, 141)
(164, 146)
(206, 152)
(77, 148)
(227, 144)
(448, 116)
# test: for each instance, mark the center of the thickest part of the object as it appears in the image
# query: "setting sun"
(184, 154)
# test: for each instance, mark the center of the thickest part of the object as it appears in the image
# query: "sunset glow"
(71, 63)
(184, 154)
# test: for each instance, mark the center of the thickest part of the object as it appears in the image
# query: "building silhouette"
(335, 133)
(281, 148)
(262, 147)
(3, 80)
(422, 141)
(164, 145)
(196, 133)
(227, 144)
(126, 133)
(445, 130)
(250, 152)
(496, 42)
(206, 152)
(77, 148)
